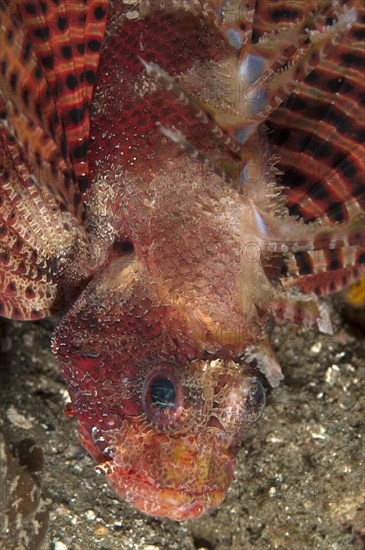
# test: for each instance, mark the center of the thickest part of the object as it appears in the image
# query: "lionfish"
(177, 177)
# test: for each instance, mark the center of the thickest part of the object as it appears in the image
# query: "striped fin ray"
(234, 19)
(325, 284)
(67, 39)
(319, 135)
(36, 151)
(331, 265)
(57, 22)
(325, 260)
(273, 17)
(295, 53)
(29, 116)
(303, 250)
(266, 73)
(323, 166)
(32, 138)
(302, 310)
(23, 80)
(30, 192)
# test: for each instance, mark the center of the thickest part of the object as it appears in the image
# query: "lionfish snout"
(176, 458)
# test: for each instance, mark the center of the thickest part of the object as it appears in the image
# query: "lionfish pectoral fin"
(23, 81)
(259, 77)
(29, 115)
(66, 37)
(295, 54)
(302, 310)
(269, 71)
(312, 248)
(336, 252)
(234, 19)
(326, 283)
(44, 249)
(263, 354)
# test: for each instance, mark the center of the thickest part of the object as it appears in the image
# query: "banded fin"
(328, 283)
(37, 151)
(29, 115)
(38, 238)
(295, 53)
(23, 82)
(67, 38)
(303, 251)
(325, 260)
(319, 135)
(302, 310)
(274, 17)
(287, 236)
(309, 250)
(268, 72)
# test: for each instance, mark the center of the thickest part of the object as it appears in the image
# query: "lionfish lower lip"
(128, 475)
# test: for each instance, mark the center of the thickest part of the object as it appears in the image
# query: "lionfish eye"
(163, 395)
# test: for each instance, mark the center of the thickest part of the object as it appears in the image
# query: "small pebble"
(332, 374)
(18, 419)
(316, 348)
(100, 530)
(90, 515)
(76, 452)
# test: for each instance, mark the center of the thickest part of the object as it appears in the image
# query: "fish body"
(148, 206)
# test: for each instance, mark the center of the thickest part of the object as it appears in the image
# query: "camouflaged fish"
(177, 177)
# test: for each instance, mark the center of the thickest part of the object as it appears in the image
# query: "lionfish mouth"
(174, 503)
